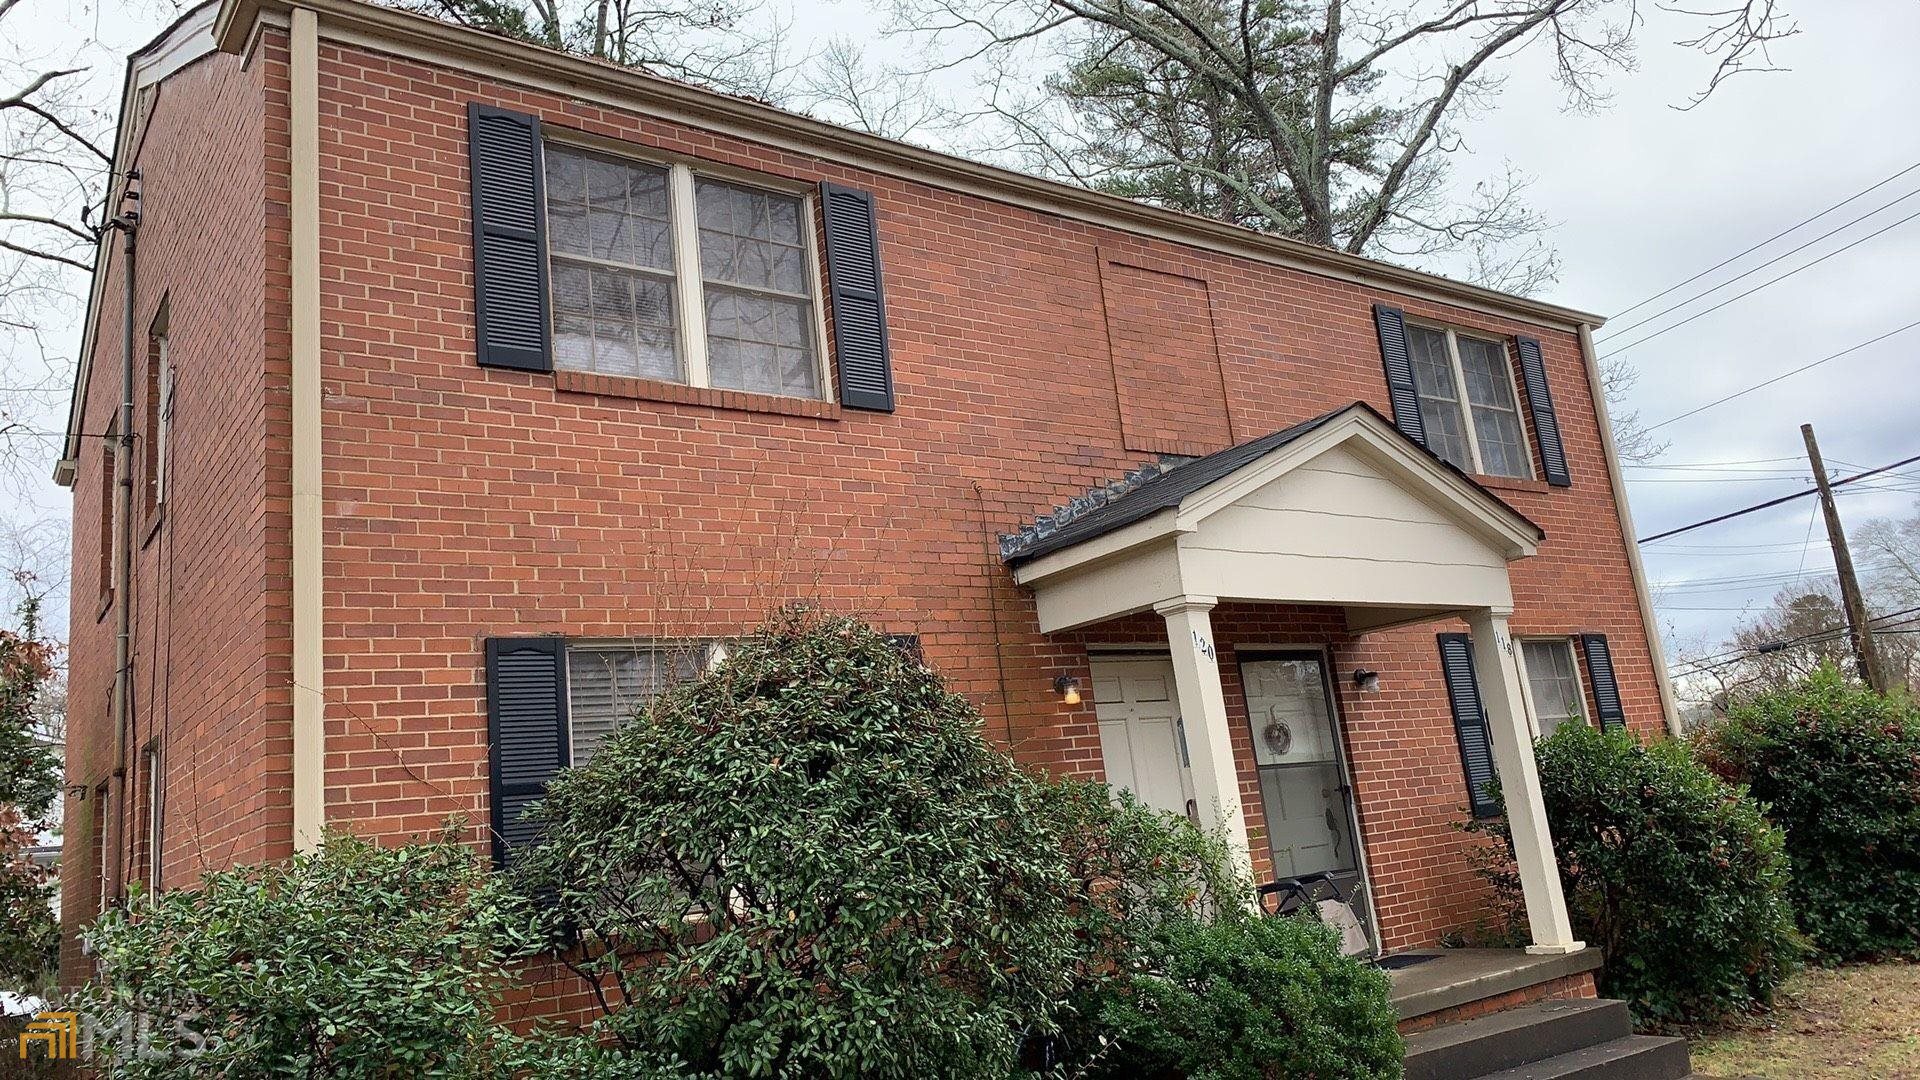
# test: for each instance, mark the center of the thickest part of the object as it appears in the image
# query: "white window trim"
(1467, 422)
(164, 426)
(683, 221)
(156, 799)
(1526, 678)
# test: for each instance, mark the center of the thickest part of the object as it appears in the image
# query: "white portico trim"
(1340, 511)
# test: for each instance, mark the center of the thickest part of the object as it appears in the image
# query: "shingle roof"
(1166, 486)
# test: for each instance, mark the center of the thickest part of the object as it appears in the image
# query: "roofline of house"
(186, 39)
(524, 63)
(236, 25)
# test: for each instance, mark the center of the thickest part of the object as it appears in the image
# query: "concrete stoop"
(1551, 1040)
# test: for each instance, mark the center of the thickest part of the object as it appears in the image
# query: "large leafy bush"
(1249, 998)
(1838, 767)
(355, 961)
(1670, 870)
(810, 862)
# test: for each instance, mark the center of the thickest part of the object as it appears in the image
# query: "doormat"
(1404, 960)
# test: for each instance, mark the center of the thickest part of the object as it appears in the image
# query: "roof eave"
(238, 19)
(169, 50)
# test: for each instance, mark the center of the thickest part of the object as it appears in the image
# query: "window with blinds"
(608, 683)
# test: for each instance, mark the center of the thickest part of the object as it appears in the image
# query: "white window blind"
(607, 684)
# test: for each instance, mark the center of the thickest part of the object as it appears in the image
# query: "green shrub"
(1674, 873)
(356, 961)
(1838, 767)
(1248, 998)
(810, 862)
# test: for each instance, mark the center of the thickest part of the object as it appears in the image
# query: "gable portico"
(1341, 512)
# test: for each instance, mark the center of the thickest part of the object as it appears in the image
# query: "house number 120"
(1202, 646)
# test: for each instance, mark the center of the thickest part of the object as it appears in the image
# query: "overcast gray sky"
(1644, 196)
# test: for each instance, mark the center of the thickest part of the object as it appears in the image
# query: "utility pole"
(1857, 618)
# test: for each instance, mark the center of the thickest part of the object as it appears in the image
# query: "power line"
(1849, 246)
(1776, 502)
(1791, 228)
(1783, 375)
(1903, 617)
(1757, 267)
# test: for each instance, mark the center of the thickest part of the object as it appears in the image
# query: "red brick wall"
(209, 681)
(463, 503)
(1166, 364)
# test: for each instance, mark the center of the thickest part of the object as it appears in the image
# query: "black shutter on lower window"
(855, 297)
(1392, 326)
(509, 240)
(1546, 425)
(1469, 722)
(526, 732)
(1606, 689)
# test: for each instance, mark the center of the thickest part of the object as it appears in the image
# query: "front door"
(1303, 776)
(1141, 738)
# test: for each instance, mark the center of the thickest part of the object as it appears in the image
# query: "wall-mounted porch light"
(1366, 680)
(1068, 688)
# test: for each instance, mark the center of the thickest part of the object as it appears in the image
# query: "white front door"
(1141, 738)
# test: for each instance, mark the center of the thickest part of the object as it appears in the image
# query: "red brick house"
(472, 390)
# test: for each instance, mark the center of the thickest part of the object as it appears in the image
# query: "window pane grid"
(1553, 683)
(1496, 418)
(1433, 380)
(660, 273)
(1465, 387)
(753, 264)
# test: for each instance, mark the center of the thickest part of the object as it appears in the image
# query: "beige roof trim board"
(187, 40)
(477, 53)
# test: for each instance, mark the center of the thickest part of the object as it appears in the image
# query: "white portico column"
(1203, 709)
(1499, 678)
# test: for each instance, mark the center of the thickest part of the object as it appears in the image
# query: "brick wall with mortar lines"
(209, 679)
(464, 503)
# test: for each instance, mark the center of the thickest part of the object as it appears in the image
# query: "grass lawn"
(1854, 1021)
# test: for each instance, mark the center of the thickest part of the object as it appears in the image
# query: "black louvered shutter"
(1606, 689)
(1533, 372)
(526, 731)
(509, 239)
(856, 299)
(1392, 325)
(1469, 722)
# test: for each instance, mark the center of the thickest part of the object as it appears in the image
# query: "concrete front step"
(1518, 1036)
(1635, 1057)
(1549, 1040)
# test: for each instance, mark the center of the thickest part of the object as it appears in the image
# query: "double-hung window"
(1553, 683)
(1467, 402)
(659, 273)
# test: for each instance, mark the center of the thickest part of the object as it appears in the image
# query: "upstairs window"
(159, 408)
(1467, 402)
(657, 273)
